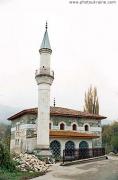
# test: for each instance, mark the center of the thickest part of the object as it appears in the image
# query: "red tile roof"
(59, 111)
(71, 134)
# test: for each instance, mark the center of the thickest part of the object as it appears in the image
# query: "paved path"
(99, 170)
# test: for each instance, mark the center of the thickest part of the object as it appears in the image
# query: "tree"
(7, 136)
(110, 137)
(106, 137)
(114, 142)
(6, 162)
(91, 101)
(5, 131)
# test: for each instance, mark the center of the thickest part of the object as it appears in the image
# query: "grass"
(18, 175)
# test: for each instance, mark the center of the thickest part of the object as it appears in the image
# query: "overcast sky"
(84, 41)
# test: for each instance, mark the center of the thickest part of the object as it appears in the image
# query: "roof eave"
(80, 116)
(34, 111)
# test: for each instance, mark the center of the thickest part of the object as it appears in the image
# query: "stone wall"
(21, 128)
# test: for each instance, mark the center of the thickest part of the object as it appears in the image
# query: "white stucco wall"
(45, 61)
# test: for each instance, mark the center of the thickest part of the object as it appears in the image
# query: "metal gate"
(55, 147)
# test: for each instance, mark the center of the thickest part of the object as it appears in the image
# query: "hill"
(7, 111)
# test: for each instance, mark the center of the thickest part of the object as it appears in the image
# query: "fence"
(83, 153)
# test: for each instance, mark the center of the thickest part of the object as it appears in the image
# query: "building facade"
(52, 128)
(67, 129)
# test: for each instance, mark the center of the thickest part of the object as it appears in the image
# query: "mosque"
(52, 129)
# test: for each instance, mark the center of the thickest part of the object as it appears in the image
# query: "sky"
(84, 41)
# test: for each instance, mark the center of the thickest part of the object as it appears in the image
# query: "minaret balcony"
(44, 72)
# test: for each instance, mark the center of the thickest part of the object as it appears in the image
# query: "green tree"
(5, 133)
(91, 101)
(110, 137)
(3, 128)
(114, 142)
(115, 128)
(6, 162)
(106, 137)
(7, 136)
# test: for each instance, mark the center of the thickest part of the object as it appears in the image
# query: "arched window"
(86, 127)
(69, 148)
(83, 144)
(62, 126)
(50, 125)
(74, 127)
(55, 147)
(83, 150)
(69, 145)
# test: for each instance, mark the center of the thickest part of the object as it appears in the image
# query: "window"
(83, 144)
(55, 147)
(69, 148)
(50, 125)
(74, 127)
(17, 127)
(86, 128)
(62, 126)
(69, 145)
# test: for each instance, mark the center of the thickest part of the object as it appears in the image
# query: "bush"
(5, 160)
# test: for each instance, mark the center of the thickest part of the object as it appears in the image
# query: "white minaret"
(44, 77)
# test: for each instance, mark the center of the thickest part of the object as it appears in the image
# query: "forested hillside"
(5, 134)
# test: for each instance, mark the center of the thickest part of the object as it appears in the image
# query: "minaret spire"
(45, 45)
(46, 26)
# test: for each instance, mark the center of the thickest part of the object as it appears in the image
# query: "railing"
(83, 153)
(44, 71)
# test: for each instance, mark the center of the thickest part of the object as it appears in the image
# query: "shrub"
(5, 160)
